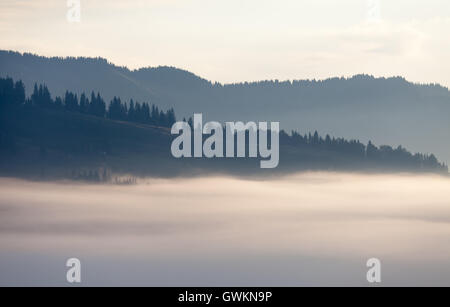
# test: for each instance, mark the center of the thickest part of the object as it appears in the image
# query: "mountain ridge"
(385, 110)
(145, 69)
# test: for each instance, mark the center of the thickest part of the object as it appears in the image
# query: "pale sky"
(243, 40)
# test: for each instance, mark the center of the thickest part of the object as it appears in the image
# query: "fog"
(303, 230)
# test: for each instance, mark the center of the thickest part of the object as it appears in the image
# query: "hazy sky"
(235, 40)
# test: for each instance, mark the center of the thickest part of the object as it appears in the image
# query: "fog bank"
(306, 229)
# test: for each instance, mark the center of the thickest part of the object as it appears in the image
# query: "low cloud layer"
(344, 218)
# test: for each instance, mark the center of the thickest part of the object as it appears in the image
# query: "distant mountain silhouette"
(49, 137)
(385, 110)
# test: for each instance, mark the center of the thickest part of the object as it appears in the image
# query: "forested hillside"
(73, 137)
(384, 110)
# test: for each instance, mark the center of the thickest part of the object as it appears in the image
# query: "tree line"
(12, 95)
(384, 154)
